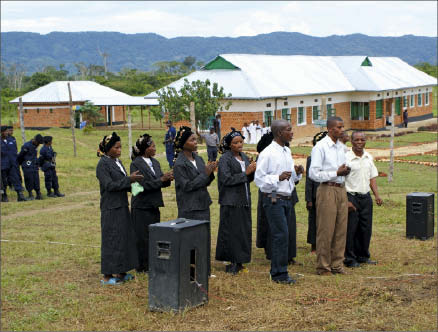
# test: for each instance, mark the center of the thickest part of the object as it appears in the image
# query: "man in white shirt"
(362, 176)
(328, 167)
(258, 131)
(252, 133)
(276, 175)
(265, 129)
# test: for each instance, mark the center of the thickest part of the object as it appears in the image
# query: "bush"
(432, 127)
(88, 129)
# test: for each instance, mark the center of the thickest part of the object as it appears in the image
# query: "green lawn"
(55, 286)
(405, 140)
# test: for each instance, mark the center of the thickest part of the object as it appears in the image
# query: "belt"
(287, 198)
(359, 194)
(333, 184)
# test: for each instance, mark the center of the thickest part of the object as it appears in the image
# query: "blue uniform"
(8, 162)
(15, 179)
(48, 166)
(27, 158)
(169, 138)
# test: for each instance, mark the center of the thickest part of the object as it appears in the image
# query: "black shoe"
(51, 194)
(232, 268)
(5, 198)
(286, 281)
(39, 196)
(352, 264)
(30, 198)
(58, 194)
(369, 261)
(20, 197)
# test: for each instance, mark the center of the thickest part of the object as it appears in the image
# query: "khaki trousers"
(331, 227)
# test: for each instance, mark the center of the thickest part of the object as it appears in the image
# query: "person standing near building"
(212, 142)
(362, 177)
(145, 206)
(235, 173)
(265, 129)
(252, 133)
(245, 133)
(405, 118)
(328, 167)
(15, 167)
(258, 131)
(8, 173)
(27, 158)
(276, 175)
(118, 250)
(310, 196)
(169, 142)
(217, 125)
(47, 162)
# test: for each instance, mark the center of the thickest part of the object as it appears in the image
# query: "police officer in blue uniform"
(27, 158)
(8, 161)
(168, 141)
(47, 162)
(15, 167)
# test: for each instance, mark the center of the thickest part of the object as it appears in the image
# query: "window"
(330, 111)
(25, 111)
(268, 105)
(412, 101)
(379, 109)
(405, 102)
(419, 99)
(316, 113)
(51, 110)
(359, 111)
(397, 105)
(301, 116)
(38, 110)
(286, 103)
(426, 98)
(285, 114)
(268, 118)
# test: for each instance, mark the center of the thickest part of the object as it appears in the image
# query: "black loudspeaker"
(178, 269)
(420, 215)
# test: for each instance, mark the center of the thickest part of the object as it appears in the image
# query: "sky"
(223, 18)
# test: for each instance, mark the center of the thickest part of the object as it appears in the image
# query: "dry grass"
(52, 286)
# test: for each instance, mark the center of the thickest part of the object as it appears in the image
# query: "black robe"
(145, 206)
(118, 251)
(235, 229)
(311, 187)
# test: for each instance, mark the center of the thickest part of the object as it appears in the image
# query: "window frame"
(267, 116)
(426, 99)
(419, 100)
(304, 116)
(318, 108)
(412, 101)
(287, 114)
(360, 110)
(405, 102)
(379, 101)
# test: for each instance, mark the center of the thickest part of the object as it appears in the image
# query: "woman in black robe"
(192, 177)
(263, 237)
(145, 205)
(235, 172)
(118, 252)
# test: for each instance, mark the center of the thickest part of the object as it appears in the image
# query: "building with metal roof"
(307, 89)
(48, 106)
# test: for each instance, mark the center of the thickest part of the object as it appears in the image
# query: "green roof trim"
(366, 63)
(219, 63)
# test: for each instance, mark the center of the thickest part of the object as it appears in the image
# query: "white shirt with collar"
(327, 157)
(272, 161)
(120, 166)
(362, 171)
(149, 162)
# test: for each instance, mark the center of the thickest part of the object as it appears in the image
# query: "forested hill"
(141, 51)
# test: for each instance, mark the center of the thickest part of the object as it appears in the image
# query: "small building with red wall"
(49, 105)
(306, 90)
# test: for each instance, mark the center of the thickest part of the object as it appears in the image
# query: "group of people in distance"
(30, 163)
(254, 132)
(340, 208)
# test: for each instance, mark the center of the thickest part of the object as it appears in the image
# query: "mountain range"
(140, 51)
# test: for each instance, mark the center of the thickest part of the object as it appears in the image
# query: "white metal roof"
(266, 76)
(57, 92)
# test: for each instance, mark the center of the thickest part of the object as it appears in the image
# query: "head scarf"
(142, 143)
(265, 140)
(107, 143)
(47, 139)
(181, 138)
(227, 139)
(319, 137)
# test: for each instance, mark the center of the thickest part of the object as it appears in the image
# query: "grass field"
(50, 277)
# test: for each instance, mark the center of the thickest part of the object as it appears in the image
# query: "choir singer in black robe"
(235, 172)
(118, 252)
(145, 205)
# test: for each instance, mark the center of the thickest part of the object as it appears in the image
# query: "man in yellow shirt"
(358, 182)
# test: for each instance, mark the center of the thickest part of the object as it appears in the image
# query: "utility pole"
(72, 119)
(23, 134)
(129, 132)
(192, 116)
(391, 144)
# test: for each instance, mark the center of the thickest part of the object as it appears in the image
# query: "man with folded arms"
(328, 167)
(360, 204)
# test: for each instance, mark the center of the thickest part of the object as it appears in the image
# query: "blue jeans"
(212, 153)
(276, 214)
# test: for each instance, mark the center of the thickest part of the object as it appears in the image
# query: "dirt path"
(404, 150)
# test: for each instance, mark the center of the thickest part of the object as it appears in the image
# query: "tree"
(39, 79)
(189, 61)
(91, 112)
(207, 99)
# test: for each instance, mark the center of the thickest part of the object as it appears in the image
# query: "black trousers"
(11, 176)
(141, 219)
(359, 229)
(31, 179)
(311, 230)
(51, 179)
